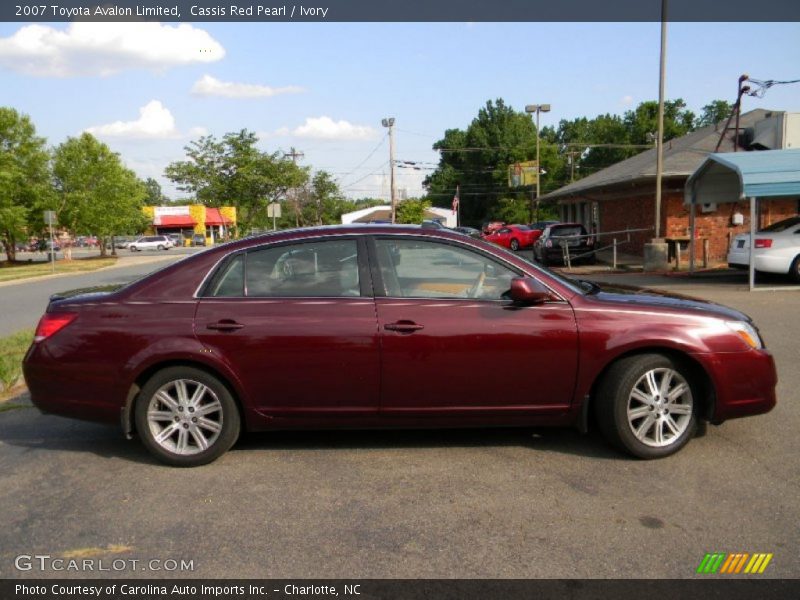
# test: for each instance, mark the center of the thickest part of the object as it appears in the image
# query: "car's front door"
(451, 340)
(296, 322)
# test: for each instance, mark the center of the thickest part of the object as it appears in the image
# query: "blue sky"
(324, 87)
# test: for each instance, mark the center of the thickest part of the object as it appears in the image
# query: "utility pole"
(572, 154)
(389, 122)
(660, 149)
(295, 155)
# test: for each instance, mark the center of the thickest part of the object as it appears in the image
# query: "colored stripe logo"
(734, 564)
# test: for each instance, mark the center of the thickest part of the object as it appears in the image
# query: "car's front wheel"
(647, 405)
(186, 417)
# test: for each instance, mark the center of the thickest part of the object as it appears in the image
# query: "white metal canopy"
(737, 176)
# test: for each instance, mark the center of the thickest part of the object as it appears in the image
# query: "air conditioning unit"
(779, 131)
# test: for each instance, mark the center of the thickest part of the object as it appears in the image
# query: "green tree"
(412, 210)
(717, 111)
(477, 160)
(233, 172)
(97, 193)
(155, 196)
(25, 189)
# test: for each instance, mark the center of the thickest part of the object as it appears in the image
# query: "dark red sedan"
(512, 236)
(354, 326)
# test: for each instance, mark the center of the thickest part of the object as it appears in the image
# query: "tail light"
(764, 243)
(52, 323)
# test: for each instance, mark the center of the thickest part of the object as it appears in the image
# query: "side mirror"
(528, 291)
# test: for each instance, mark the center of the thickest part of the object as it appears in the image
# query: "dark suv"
(562, 238)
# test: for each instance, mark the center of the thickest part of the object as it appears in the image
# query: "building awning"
(175, 221)
(215, 217)
(734, 176)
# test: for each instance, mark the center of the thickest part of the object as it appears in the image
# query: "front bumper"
(744, 383)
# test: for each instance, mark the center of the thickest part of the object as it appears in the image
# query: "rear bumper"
(60, 389)
(744, 383)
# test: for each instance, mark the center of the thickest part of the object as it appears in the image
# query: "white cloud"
(155, 122)
(325, 128)
(627, 100)
(211, 86)
(103, 49)
(196, 132)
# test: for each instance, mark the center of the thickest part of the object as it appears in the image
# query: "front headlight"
(747, 332)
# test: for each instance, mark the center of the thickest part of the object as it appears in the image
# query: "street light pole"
(389, 122)
(537, 108)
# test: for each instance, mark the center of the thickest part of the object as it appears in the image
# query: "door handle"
(225, 325)
(403, 326)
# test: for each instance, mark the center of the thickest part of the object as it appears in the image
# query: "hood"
(649, 297)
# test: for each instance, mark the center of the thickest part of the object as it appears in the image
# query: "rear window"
(568, 230)
(782, 225)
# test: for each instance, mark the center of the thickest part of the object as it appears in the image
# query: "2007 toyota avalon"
(389, 326)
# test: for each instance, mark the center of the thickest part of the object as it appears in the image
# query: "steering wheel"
(477, 287)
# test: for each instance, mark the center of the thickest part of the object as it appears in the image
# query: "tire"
(514, 245)
(794, 270)
(632, 413)
(165, 407)
(160, 247)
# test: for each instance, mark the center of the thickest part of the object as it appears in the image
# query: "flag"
(455, 201)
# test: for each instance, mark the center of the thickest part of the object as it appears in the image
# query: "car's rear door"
(296, 323)
(453, 344)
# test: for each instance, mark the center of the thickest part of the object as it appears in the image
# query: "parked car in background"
(556, 240)
(198, 239)
(150, 242)
(120, 242)
(469, 231)
(181, 356)
(491, 226)
(177, 239)
(513, 237)
(538, 228)
(777, 249)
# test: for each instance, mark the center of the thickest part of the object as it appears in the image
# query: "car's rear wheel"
(646, 405)
(514, 245)
(186, 417)
(794, 270)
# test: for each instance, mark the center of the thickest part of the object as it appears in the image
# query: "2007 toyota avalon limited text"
(353, 327)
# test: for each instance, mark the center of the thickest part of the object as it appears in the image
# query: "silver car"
(151, 242)
(777, 249)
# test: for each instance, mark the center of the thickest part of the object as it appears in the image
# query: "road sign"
(50, 217)
(274, 210)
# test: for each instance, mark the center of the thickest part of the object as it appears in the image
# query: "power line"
(370, 155)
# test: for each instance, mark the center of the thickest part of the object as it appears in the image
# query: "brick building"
(622, 196)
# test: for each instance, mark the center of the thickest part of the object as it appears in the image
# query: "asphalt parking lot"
(413, 504)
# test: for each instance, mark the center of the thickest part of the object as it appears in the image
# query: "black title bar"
(402, 10)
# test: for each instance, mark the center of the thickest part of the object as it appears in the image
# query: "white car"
(151, 242)
(777, 249)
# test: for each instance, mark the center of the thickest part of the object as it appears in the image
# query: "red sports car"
(512, 236)
(353, 326)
